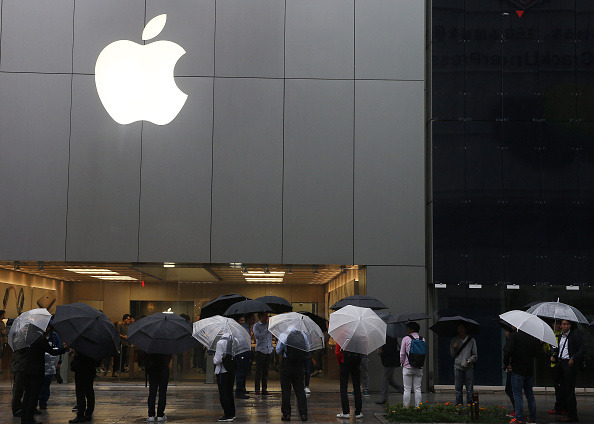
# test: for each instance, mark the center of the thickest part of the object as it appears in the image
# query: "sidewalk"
(126, 403)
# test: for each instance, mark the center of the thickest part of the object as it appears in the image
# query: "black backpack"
(352, 359)
(230, 363)
(295, 355)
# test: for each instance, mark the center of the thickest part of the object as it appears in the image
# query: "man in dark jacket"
(519, 354)
(18, 388)
(569, 357)
(33, 375)
(390, 356)
(84, 373)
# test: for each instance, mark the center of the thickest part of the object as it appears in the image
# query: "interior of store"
(141, 289)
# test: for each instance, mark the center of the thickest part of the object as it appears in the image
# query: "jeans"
(412, 377)
(291, 375)
(365, 372)
(355, 374)
(387, 381)
(44, 394)
(461, 378)
(157, 380)
(225, 382)
(508, 389)
(308, 366)
(262, 364)
(520, 382)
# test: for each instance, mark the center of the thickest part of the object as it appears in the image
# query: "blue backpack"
(418, 352)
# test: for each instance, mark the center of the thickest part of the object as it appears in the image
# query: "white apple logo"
(136, 82)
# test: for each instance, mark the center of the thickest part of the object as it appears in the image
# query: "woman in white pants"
(411, 376)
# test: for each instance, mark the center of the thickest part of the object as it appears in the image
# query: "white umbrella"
(28, 327)
(208, 331)
(283, 324)
(558, 311)
(358, 330)
(530, 324)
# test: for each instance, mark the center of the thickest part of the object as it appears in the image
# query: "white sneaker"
(307, 391)
(162, 419)
(359, 415)
(151, 419)
(341, 415)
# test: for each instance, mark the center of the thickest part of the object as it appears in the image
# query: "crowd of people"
(35, 367)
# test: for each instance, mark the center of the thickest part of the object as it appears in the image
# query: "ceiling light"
(90, 270)
(114, 277)
(168, 264)
(235, 264)
(264, 273)
(263, 280)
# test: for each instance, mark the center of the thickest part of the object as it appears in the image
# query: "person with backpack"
(225, 368)
(293, 349)
(350, 365)
(463, 350)
(412, 358)
(156, 366)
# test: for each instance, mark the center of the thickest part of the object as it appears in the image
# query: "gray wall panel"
(250, 38)
(98, 24)
(389, 40)
(389, 173)
(34, 125)
(37, 36)
(247, 174)
(103, 199)
(318, 198)
(402, 289)
(320, 39)
(191, 25)
(176, 181)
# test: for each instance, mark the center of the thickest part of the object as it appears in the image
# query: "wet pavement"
(198, 403)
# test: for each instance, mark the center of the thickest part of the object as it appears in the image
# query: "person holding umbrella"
(293, 347)
(84, 369)
(569, 356)
(225, 366)
(463, 350)
(244, 362)
(263, 352)
(157, 370)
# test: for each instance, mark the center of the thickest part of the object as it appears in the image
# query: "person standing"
(519, 353)
(570, 356)
(463, 350)
(350, 365)
(292, 372)
(52, 367)
(263, 353)
(390, 361)
(157, 370)
(243, 361)
(122, 328)
(365, 375)
(84, 373)
(559, 408)
(3, 337)
(225, 375)
(18, 386)
(508, 385)
(411, 375)
(34, 371)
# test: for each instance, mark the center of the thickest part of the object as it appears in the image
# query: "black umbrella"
(219, 305)
(412, 316)
(361, 301)
(320, 321)
(162, 332)
(246, 307)
(503, 324)
(278, 304)
(86, 330)
(394, 328)
(448, 326)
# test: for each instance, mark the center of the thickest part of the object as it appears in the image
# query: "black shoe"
(381, 402)
(286, 418)
(88, 418)
(304, 418)
(36, 422)
(242, 396)
(77, 420)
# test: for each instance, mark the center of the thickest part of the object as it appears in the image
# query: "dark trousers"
(508, 389)
(157, 380)
(567, 376)
(225, 382)
(85, 395)
(308, 366)
(292, 375)
(559, 396)
(32, 386)
(244, 363)
(355, 373)
(18, 390)
(262, 366)
(44, 393)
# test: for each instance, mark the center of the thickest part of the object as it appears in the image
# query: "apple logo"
(135, 82)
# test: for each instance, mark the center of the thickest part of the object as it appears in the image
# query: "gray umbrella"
(394, 328)
(162, 332)
(557, 311)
